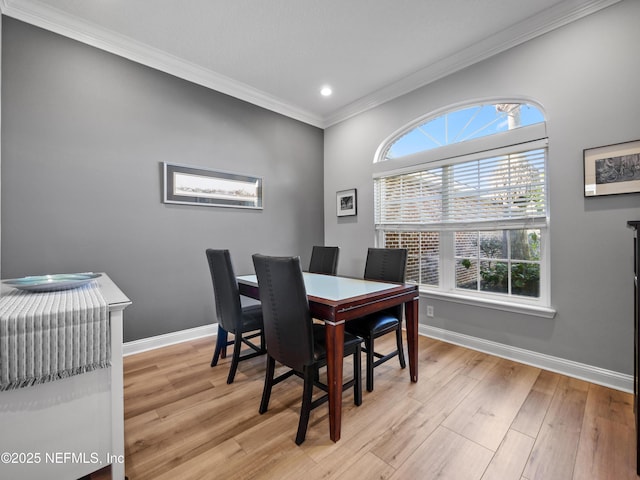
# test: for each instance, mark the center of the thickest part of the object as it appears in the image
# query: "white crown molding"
(548, 20)
(55, 21)
(51, 19)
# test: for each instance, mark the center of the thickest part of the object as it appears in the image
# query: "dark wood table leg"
(335, 353)
(411, 317)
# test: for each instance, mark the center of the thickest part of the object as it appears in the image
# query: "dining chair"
(324, 260)
(292, 338)
(387, 265)
(243, 321)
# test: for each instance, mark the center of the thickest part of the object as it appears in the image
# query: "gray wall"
(585, 76)
(84, 133)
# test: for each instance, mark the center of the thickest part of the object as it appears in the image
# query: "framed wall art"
(347, 203)
(188, 185)
(612, 169)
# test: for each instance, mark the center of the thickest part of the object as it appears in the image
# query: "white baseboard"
(589, 373)
(159, 341)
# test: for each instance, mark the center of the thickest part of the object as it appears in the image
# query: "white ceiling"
(278, 53)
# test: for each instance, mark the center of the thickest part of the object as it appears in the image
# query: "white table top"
(331, 287)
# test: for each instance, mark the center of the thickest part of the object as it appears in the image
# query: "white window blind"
(506, 189)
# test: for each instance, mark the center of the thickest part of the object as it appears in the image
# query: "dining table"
(336, 300)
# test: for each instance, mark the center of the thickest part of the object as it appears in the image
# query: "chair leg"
(305, 409)
(268, 384)
(235, 359)
(221, 345)
(368, 344)
(403, 363)
(263, 343)
(357, 375)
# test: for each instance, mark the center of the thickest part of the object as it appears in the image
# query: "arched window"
(462, 125)
(464, 191)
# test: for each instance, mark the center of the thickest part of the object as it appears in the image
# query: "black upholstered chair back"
(225, 289)
(324, 260)
(386, 264)
(288, 326)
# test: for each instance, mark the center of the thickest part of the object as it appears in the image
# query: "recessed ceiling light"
(326, 91)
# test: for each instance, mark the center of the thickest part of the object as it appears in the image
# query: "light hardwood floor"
(470, 416)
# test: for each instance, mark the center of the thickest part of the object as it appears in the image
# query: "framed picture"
(347, 203)
(200, 186)
(612, 169)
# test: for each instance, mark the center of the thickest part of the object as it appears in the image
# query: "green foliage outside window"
(494, 269)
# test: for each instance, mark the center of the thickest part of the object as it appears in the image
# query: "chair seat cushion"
(319, 346)
(375, 324)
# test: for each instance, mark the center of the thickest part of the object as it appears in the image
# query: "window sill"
(522, 308)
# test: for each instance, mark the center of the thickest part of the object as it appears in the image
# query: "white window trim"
(495, 304)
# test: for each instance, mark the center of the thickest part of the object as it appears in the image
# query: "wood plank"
(487, 412)
(441, 356)
(607, 440)
(509, 461)
(366, 467)
(554, 453)
(360, 433)
(448, 363)
(213, 463)
(445, 455)
(531, 415)
(407, 433)
(606, 452)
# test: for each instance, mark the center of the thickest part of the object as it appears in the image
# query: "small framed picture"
(347, 203)
(612, 169)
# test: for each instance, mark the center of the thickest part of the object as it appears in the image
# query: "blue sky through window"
(464, 124)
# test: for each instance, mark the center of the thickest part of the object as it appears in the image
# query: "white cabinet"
(70, 427)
